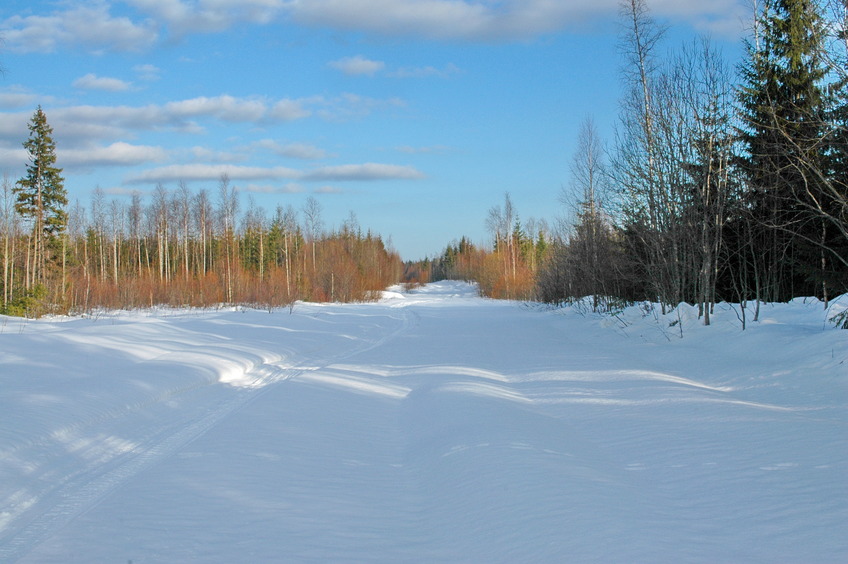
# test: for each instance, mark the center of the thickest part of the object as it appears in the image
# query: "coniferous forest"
(722, 182)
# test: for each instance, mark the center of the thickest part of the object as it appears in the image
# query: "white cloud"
(226, 108)
(292, 150)
(328, 190)
(105, 122)
(13, 126)
(114, 122)
(360, 66)
(208, 16)
(77, 148)
(208, 172)
(290, 188)
(90, 26)
(352, 106)
(90, 123)
(116, 154)
(722, 17)
(428, 18)
(120, 191)
(93, 27)
(85, 126)
(451, 19)
(288, 110)
(93, 82)
(493, 20)
(13, 159)
(367, 171)
(190, 172)
(357, 65)
(204, 154)
(17, 97)
(148, 72)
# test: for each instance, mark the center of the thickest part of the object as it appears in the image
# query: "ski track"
(78, 491)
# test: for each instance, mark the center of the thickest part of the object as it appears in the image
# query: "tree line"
(721, 182)
(507, 270)
(179, 248)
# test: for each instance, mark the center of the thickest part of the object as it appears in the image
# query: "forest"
(181, 249)
(723, 182)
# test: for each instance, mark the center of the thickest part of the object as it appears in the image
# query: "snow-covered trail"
(432, 426)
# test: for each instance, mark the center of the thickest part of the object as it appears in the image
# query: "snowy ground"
(431, 426)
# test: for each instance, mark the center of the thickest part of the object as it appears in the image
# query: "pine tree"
(41, 197)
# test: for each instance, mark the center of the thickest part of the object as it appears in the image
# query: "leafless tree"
(286, 221)
(98, 224)
(116, 222)
(706, 90)
(590, 240)
(159, 217)
(500, 222)
(204, 226)
(640, 36)
(182, 205)
(9, 229)
(135, 213)
(312, 213)
(228, 204)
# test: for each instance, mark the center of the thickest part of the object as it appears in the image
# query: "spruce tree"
(41, 197)
(782, 112)
(833, 205)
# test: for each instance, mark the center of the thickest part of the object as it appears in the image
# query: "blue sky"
(415, 115)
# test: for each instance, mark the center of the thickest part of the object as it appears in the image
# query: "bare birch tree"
(227, 211)
(312, 214)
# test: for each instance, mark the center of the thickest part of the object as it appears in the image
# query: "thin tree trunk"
(288, 266)
(115, 260)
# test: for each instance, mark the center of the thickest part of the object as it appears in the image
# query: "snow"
(431, 426)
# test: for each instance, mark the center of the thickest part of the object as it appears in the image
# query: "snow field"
(431, 426)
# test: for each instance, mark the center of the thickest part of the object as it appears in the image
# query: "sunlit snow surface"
(433, 426)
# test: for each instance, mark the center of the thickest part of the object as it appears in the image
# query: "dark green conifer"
(783, 110)
(40, 196)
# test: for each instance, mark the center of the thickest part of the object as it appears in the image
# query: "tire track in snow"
(82, 490)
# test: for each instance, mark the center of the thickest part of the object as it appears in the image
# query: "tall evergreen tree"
(833, 206)
(41, 197)
(782, 111)
(833, 203)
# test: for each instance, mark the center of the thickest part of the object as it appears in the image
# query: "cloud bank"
(92, 25)
(213, 172)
